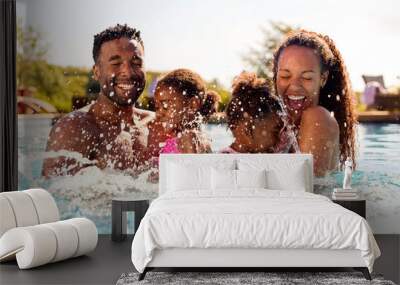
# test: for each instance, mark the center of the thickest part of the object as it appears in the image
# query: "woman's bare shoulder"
(319, 119)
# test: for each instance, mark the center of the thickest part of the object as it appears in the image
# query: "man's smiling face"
(120, 70)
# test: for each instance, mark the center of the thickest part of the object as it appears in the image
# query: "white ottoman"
(31, 232)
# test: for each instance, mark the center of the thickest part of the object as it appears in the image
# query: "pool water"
(89, 193)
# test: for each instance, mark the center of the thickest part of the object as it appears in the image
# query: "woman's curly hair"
(336, 96)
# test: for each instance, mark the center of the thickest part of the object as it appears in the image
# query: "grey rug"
(273, 278)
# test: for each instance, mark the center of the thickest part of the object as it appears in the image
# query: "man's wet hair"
(113, 33)
(251, 97)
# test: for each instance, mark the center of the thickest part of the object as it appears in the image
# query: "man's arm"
(319, 135)
(72, 142)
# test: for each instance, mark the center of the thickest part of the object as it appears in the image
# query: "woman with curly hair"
(311, 78)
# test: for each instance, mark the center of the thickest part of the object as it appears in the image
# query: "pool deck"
(379, 117)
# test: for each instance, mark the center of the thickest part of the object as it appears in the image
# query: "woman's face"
(299, 79)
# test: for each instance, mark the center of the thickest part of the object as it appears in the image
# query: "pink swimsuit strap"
(171, 146)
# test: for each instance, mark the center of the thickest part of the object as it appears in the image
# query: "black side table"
(118, 215)
(357, 206)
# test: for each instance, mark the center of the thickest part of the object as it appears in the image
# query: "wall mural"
(88, 135)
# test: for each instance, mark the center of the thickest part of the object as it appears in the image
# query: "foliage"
(57, 85)
(224, 94)
(51, 83)
(260, 58)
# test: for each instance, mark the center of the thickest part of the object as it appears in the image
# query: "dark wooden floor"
(110, 260)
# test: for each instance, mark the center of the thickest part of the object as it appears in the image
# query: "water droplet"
(111, 93)
(108, 147)
(101, 135)
(104, 86)
(184, 93)
(332, 114)
(337, 98)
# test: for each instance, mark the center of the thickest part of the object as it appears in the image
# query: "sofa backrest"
(280, 163)
(26, 208)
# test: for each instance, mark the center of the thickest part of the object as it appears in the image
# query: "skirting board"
(231, 257)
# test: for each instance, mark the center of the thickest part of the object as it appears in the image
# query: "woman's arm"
(319, 135)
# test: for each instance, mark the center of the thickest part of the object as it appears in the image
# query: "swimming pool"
(89, 193)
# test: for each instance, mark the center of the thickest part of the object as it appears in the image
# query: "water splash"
(289, 128)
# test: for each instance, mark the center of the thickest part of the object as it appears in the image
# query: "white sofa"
(31, 233)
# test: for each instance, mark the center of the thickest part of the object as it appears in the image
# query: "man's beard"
(119, 99)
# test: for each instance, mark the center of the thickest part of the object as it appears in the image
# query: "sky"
(211, 36)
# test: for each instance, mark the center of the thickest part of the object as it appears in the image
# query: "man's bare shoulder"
(74, 128)
(144, 114)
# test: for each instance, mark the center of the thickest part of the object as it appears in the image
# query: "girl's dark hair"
(251, 97)
(336, 96)
(210, 105)
(191, 84)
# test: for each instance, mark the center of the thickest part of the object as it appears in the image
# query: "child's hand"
(153, 177)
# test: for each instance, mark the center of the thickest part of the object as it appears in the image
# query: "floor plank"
(111, 259)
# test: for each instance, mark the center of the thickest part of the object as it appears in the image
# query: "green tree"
(260, 57)
(51, 83)
(215, 85)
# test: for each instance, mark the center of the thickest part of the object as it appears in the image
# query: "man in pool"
(110, 132)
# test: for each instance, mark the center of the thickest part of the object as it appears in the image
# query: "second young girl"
(256, 118)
